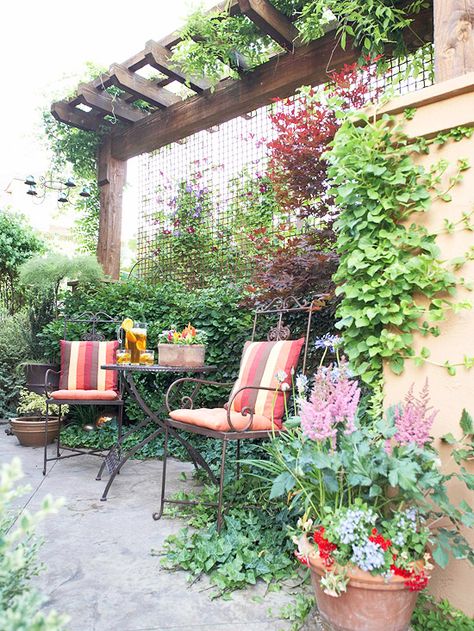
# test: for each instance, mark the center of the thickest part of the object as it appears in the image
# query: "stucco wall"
(438, 108)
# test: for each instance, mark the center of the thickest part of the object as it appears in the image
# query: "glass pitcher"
(135, 341)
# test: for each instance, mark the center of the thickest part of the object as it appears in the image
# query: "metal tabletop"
(156, 368)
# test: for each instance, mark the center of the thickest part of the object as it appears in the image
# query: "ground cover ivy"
(430, 615)
(393, 281)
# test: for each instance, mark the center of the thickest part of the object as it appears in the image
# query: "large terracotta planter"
(190, 355)
(371, 603)
(30, 430)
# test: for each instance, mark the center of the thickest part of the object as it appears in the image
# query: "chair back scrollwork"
(281, 308)
(93, 323)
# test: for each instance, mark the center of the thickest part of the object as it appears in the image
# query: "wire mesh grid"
(206, 203)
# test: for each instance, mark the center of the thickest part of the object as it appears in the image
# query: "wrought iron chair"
(93, 322)
(225, 424)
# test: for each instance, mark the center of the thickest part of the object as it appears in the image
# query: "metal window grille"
(205, 204)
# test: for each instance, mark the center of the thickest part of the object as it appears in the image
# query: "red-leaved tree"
(304, 126)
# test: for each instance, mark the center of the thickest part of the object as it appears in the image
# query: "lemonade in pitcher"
(135, 338)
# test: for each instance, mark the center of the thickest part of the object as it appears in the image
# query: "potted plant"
(373, 499)
(30, 426)
(185, 348)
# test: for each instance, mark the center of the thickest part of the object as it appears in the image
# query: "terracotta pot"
(371, 603)
(191, 355)
(35, 377)
(30, 430)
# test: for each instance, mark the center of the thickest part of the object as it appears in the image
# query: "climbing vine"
(216, 44)
(77, 148)
(392, 278)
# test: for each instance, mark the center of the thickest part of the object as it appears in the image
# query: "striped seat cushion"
(261, 361)
(81, 366)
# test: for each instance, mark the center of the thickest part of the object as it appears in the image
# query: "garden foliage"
(304, 126)
(19, 603)
(42, 278)
(14, 347)
(216, 311)
(392, 278)
(216, 44)
(430, 615)
(18, 243)
(77, 148)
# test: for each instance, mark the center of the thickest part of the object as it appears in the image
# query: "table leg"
(195, 456)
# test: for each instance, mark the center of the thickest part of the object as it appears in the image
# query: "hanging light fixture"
(48, 184)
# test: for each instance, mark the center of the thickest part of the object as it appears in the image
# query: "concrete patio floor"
(99, 568)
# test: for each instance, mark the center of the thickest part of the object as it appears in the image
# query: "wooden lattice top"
(171, 117)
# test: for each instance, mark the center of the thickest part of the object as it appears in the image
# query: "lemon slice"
(127, 324)
(141, 345)
(130, 337)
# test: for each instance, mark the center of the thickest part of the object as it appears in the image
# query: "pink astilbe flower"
(414, 418)
(332, 404)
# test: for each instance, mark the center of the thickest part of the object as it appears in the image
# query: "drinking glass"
(123, 356)
(147, 357)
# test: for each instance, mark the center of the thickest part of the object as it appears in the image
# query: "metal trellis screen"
(206, 205)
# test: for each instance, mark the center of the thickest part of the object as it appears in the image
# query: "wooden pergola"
(449, 23)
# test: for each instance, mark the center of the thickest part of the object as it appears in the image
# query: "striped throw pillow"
(81, 366)
(261, 361)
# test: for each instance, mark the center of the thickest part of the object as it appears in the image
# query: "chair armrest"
(189, 400)
(247, 409)
(49, 372)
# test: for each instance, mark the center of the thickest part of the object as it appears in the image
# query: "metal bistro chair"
(81, 362)
(255, 408)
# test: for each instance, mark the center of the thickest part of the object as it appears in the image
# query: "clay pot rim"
(33, 419)
(182, 345)
(357, 577)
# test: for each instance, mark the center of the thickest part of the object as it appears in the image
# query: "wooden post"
(111, 176)
(453, 38)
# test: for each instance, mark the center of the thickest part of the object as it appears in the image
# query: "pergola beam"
(107, 104)
(271, 22)
(141, 88)
(64, 113)
(279, 77)
(159, 58)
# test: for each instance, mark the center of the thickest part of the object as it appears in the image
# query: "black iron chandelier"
(63, 188)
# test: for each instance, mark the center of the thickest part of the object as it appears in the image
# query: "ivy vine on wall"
(392, 279)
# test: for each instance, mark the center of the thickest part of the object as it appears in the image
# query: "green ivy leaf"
(466, 422)
(441, 556)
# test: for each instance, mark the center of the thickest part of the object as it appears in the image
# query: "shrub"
(18, 243)
(19, 604)
(14, 348)
(214, 310)
(43, 276)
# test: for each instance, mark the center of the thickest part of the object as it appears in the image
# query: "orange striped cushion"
(81, 366)
(260, 363)
(216, 419)
(81, 395)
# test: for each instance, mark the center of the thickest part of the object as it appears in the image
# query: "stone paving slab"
(99, 567)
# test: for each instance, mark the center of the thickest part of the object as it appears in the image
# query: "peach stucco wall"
(439, 108)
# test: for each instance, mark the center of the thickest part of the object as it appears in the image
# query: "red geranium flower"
(325, 547)
(376, 537)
